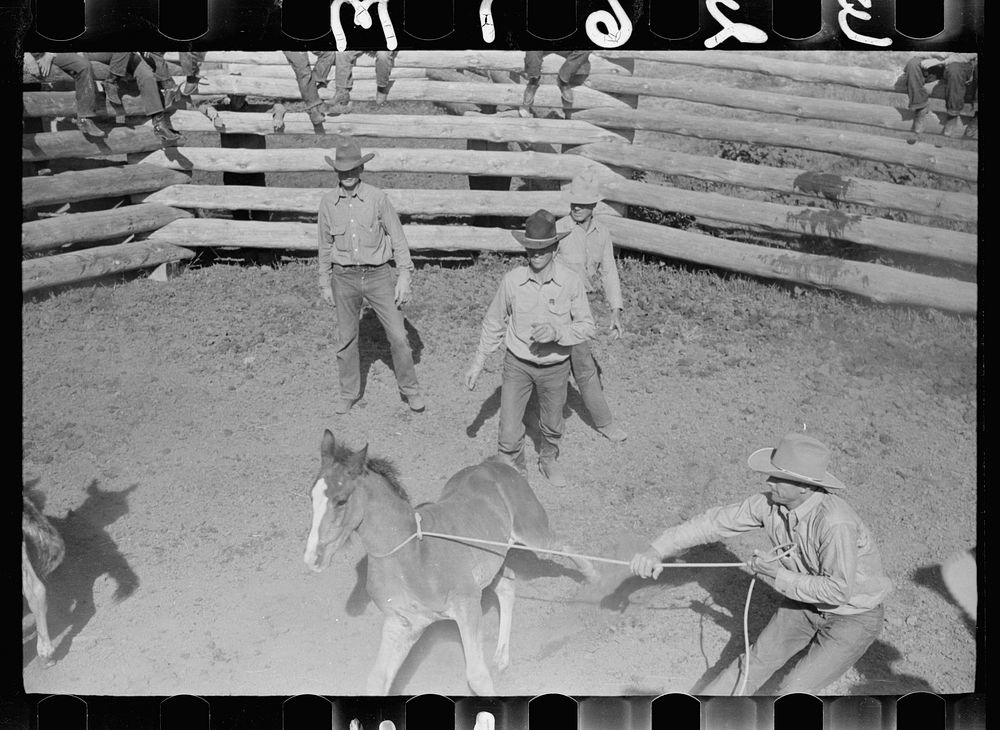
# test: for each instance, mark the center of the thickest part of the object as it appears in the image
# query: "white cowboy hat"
(798, 458)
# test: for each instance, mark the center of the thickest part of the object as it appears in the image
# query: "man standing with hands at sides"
(539, 312)
(359, 232)
(588, 251)
(827, 566)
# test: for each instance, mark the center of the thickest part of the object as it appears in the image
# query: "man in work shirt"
(359, 232)
(539, 313)
(832, 578)
(588, 251)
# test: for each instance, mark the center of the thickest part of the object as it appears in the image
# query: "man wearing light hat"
(359, 232)
(831, 577)
(587, 250)
(539, 313)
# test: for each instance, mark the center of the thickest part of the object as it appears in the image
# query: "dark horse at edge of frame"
(430, 579)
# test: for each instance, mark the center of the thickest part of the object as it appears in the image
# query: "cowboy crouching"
(828, 569)
(539, 312)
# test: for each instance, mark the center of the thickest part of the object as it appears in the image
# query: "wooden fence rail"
(387, 159)
(881, 283)
(92, 263)
(921, 156)
(809, 221)
(816, 183)
(820, 73)
(801, 107)
(874, 281)
(101, 225)
(489, 127)
(707, 207)
(405, 201)
(106, 182)
(508, 61)
(412, 90)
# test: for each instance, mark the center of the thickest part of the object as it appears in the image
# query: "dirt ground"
(174, 429)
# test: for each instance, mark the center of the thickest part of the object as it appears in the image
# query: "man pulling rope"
(833, 581)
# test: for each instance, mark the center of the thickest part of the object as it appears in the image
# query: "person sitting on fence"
(113, 68)
(540, 312)
(829, 569)
(959, 71)
(358, 233)
(191, 68)
(384, 61)
(79, 68)
(574, 69)
(588, 251)
(310, 80)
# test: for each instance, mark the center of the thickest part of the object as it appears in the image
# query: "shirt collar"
(555, 274)
(811, 503)
(361, 192)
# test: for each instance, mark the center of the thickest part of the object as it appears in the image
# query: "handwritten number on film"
(364, 19)
(617, 28)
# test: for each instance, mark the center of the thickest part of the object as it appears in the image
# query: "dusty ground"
(175, 429)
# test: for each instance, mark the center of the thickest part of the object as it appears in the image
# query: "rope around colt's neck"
(787, 549)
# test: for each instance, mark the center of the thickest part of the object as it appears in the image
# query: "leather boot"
(529, 97)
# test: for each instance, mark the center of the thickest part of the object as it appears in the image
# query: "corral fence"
(137, 206)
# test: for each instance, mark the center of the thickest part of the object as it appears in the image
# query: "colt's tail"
(46, 548)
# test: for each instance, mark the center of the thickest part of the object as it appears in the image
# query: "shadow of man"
(90, 554)
(373, 345)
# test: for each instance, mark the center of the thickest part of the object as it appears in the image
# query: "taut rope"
(786, 550)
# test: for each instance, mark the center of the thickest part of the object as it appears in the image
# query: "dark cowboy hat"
(539, 231)
(348, 157)
(798, 458)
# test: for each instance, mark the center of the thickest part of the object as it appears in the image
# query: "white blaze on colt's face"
(320, 506)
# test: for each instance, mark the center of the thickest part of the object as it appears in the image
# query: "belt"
(362, 267)
(537, 364)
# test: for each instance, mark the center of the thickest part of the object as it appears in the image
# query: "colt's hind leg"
(504, 588)
(468, 615)
(34, 591)
(398, 637)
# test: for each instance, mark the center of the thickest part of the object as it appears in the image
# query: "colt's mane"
(383, 467)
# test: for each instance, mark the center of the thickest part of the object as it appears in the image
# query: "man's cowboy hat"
(583, 190)
(348, 157)
(539, 231)
(798, 458)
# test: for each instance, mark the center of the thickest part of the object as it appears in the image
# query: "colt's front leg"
(468, 615)
(399, 634)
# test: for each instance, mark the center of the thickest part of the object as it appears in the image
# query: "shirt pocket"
(559, 311)
(338, 232)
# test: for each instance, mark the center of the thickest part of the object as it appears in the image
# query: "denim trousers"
(353, 285)
(83, 79)
(957, 77)
(307, 77)
(835, 642)
(384, 61)
(588, 381)
(577, 62)
(118, 65)
(549, 382)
